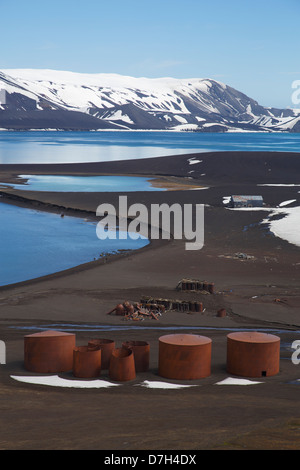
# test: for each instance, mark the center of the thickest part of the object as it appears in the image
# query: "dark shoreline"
(232, 164)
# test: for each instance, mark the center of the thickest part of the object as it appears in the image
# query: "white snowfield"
(287, 227)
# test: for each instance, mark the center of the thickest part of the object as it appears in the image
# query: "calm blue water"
(84, 183)
(69, 147)
(35, 244)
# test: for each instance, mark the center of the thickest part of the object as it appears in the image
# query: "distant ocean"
(80, 147)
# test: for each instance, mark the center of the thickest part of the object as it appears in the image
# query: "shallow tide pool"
(35, 243)
(64, 183)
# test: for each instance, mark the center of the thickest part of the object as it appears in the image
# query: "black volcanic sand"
(262, 292)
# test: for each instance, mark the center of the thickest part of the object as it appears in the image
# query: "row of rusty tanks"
(180, 356)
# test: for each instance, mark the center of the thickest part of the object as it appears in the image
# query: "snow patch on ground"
(192, 161)
(234, 381)
(250, 209)
(180, 119)
(287, 185)
(56, 381)
(287, 228)
(163, 385)
(286, 203)
(119, 116)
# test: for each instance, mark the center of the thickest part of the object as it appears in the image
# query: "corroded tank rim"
(185, 339)
(48, 333)
(253, 337)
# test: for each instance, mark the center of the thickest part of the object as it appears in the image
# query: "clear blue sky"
(251, 45)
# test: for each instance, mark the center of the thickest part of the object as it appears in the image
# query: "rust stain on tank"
(221, 313)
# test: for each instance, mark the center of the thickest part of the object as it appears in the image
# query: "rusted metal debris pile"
(137, 311)
(153, 308)
(196, 285)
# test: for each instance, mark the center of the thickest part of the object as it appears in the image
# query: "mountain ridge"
(51, 99)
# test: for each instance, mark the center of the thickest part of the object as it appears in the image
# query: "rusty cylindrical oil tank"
(184, 356)
(221, 313)
(107, 346)
(49, 352)
(87, 361)
(122, 368)
(141, 354)
(253, 354)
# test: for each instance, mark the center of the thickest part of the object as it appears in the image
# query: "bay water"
(78, 147)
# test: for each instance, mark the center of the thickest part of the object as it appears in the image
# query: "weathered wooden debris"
(169, 304)
(195, 285)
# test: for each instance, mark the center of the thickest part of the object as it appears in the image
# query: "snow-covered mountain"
(49, 99)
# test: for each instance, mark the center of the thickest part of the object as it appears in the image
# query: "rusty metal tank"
(120, 309)
(221, 313)
(253, 354)
(141, 354)
(87, 361)
(122, 368)
(49, 352)
(184, 356)
(107, 346)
